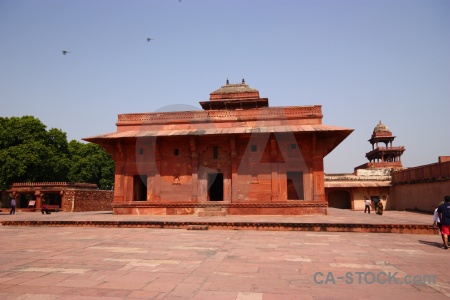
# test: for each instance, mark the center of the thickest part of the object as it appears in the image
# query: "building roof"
(219, 131)
(335, 134)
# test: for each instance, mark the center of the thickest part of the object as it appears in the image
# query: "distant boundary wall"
(420, 188)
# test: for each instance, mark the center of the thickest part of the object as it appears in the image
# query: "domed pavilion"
(236, 156)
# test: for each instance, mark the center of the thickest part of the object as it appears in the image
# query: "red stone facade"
(237, 156)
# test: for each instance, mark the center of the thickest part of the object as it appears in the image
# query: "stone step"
(233, 224)
(213, 208)
(221, 213)
(197, 227)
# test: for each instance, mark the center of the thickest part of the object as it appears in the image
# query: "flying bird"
(149, 39)
(64, 52)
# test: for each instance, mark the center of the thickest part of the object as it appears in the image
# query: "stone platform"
(337, 220)
(98, 263)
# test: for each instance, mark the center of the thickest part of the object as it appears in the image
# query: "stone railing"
(399, 150)
(59, 183)
(352, 177)
(54, 184)
(192, 116)
(386, 164)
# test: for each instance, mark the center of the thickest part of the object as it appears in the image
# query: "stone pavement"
(149, 263)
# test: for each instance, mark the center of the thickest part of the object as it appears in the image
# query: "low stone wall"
(143, 208)
(87, 200)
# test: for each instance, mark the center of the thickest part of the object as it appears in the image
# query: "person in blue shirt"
(444, 215)
(437, 222)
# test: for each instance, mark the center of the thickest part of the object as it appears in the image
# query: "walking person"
(380, 208)
(437, 222)
(368, 205)
(376, 201)
(13, 207)
(444, 215)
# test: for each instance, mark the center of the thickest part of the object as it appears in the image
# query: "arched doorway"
(339, 199)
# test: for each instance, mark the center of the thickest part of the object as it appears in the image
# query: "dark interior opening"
(215, 183)
(140, 188)
(295, 186)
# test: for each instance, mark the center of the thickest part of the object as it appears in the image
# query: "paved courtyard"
(142, 263)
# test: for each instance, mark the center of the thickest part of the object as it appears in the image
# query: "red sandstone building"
(237, 156)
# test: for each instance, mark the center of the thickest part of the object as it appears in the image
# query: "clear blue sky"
(363, 61)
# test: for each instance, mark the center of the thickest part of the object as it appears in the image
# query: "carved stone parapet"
(286, 112)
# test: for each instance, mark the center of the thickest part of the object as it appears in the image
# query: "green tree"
(90, 163)
(29, 153)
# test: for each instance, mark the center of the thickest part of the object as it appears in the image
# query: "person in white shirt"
(368, 205)
(13, 207)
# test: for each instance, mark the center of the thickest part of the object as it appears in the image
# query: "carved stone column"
(119, 176)
(65, 206)
(157, 177)
(194, 164)
(38, 195)
(318, 178)
(234, 167)
(274, 168)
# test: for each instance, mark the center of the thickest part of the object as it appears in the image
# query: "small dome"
(381, 128)
(231, 91)
(231, 88)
